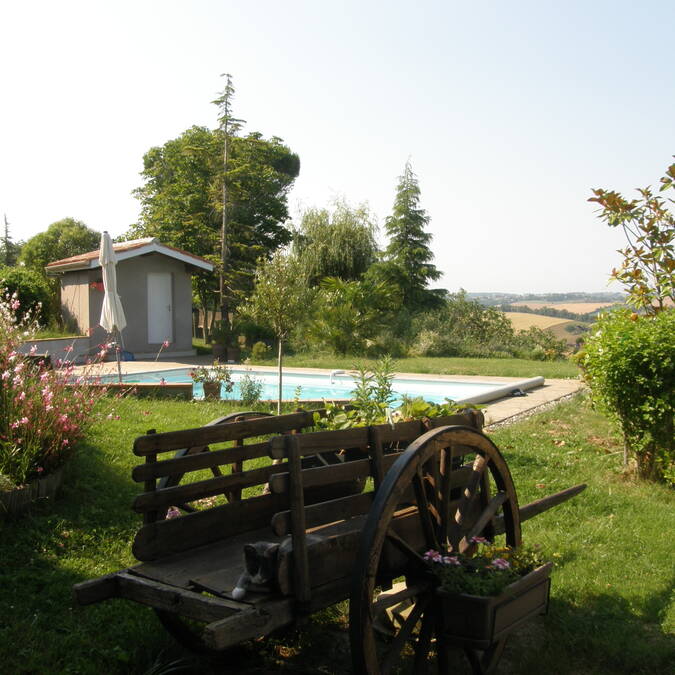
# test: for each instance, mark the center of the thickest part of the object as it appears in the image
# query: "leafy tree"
(407, 259)
(338, 244)
(279, 300)
(648, 268)
(9, 250)
(349, 314)
(62, 239)
(32, 289)
(181, 202)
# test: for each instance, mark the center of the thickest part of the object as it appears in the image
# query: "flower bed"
(43, 411)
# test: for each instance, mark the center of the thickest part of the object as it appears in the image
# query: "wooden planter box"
(15, 502)
(479, 621)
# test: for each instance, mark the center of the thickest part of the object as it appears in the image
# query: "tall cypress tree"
(408, 256)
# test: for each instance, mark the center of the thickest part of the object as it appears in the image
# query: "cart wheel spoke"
(393, 653)
(427, 521)
(405, 548)
(483, 520)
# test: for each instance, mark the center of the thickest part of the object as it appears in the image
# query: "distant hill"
(548, 299)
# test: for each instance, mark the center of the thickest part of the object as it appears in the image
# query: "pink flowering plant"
(488, 572)
(218, 372)
(43, 411)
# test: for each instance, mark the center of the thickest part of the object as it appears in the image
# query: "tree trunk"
(279, 361)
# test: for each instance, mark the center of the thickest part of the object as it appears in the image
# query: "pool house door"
(160, 308)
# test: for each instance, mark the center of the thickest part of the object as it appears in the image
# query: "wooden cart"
(360, 507)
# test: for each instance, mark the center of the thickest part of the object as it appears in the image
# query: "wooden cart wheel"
(450, 485)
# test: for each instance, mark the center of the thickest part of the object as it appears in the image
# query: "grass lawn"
(612, 608)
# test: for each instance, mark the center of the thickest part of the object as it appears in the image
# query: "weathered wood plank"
(402, 432)
(249, 624)
(178, 600)
(219, 433)
(540, 505)
(165, 537)
(219, 563)
(181, 494)
(322, 475)
(96, 590)
(323, 441)
(325, 512)
(199, 461)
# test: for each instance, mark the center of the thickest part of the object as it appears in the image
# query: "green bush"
(31, 288)
(260, 351)
(250, 389)
(629, 363)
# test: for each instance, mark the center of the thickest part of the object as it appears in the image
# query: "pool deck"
(496, 412)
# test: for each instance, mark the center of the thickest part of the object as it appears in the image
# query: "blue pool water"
(317, 386)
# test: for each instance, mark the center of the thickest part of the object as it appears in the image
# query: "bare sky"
(509, 111)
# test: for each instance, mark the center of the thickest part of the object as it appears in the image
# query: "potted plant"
(485, 596)
(213, 379)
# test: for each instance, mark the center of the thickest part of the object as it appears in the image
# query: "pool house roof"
(125, 250)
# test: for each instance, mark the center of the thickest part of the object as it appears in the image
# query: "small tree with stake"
(279, 300)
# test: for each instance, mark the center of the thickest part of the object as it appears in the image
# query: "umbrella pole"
(117, 354)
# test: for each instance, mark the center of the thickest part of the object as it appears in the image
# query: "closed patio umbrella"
(112, 313)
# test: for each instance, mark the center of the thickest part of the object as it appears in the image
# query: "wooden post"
(297, 503)
(150, 485)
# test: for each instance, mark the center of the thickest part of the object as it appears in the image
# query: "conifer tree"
(408, 258)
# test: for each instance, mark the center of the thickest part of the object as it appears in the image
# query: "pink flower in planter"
(501, 564)
(172, 512)
(451, 560)
(6, 374)
(39, 469)
(15, 304)
(433, 556)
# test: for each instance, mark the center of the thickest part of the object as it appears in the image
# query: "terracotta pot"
(212, 391)
(17, 501)
(219, 352)
(479, 621)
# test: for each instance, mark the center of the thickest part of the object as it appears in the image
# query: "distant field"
(575, 307)
(523, 321)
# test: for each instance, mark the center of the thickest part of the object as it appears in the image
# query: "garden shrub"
(629, 364)
(32, 291)
(260, 351)
(250, 389)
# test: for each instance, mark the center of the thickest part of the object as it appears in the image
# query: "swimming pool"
(339, 385)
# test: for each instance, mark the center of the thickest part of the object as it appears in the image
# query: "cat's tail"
(238, 593)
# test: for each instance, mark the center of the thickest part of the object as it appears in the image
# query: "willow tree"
(336, 243)
(279, 301)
